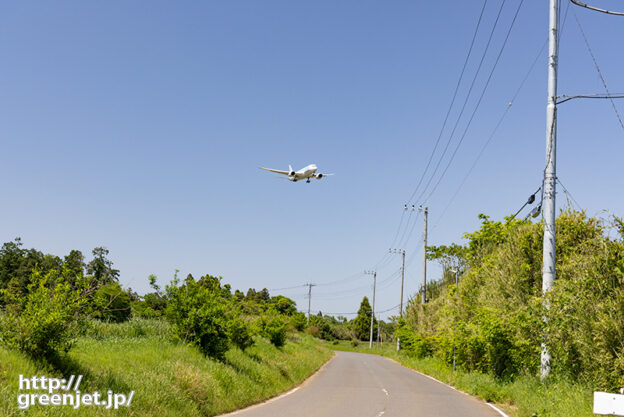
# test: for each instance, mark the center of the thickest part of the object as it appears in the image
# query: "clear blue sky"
(140, 127)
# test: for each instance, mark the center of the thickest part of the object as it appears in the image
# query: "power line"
(598, 96)
(578, 3)
(287, 288)
(448, 112)
(530, 200)
(474, 79)
(604, 83)
(479, 101)
(494, 131)
(569, 195)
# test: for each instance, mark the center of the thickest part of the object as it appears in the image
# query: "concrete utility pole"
(456, 271)
(550, 173)
(374, 274)
(402, 252)
(424, 284)
(310, 298)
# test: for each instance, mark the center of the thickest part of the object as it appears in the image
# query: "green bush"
(275, 331)
(45, 320)
(299, 321)
(112, 304)
(198, 314)
(325, 331)
(240, 334)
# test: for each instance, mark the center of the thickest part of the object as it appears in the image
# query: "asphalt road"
(362, 385)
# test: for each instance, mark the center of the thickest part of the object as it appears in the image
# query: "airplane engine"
(291, 174)
(319, 176)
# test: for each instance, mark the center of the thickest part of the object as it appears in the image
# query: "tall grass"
(523, 396)
(169, 379)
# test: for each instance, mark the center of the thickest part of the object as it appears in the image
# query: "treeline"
(46, 301)
(328, 327)
(496, 319)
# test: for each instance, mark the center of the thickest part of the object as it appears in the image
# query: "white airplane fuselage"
(304, 173)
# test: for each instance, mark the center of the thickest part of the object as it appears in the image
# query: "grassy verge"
(169, 379)
(525, 396)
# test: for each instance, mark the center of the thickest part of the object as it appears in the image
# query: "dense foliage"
(44, 299)
(495, 317)
(43, 321)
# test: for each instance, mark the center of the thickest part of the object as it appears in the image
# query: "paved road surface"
(362, 385)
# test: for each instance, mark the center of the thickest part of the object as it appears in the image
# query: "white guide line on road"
(266, 402)
(381, 413)
(498, 410)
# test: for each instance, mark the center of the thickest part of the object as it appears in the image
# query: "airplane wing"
(276, 171)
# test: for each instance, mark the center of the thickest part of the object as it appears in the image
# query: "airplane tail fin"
(290, 168)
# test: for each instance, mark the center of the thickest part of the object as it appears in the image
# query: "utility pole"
(425, 210)
(374, 274)
(550, 173)
(402, 252)
(310, 298)
(456, 271)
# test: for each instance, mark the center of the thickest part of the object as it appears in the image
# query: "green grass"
(524, 396)
(169, 379)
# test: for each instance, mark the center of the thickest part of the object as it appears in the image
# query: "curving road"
(363, 385)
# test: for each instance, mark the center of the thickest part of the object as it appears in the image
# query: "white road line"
(498, 410)
(381, 413)
(267, 401)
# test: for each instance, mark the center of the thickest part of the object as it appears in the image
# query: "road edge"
(283, 394)
(498, 410)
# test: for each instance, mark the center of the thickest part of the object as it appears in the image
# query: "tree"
(74, 262)
(361, 324)
(101, 268)
(284, 305)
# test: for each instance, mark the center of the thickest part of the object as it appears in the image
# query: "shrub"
(275, 331)
(198, 314)
(112, 304)
(313, 331)
(298, 321)
(240, 334)
(325, 331)
(44, 321)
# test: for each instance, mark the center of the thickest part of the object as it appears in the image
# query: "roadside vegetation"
(494, 319)
(169, 378)
(192, 348)
(222, 349)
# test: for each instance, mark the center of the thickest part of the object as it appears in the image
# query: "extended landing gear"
(308, 181)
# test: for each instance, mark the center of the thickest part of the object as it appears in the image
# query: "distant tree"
(17, 265)
(361, 324)
(284, 305)
(239, 295)
(74, 262)
(152, 282)
(263, 296)
(101, 268)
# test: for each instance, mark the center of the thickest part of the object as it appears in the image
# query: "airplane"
(303, 174)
